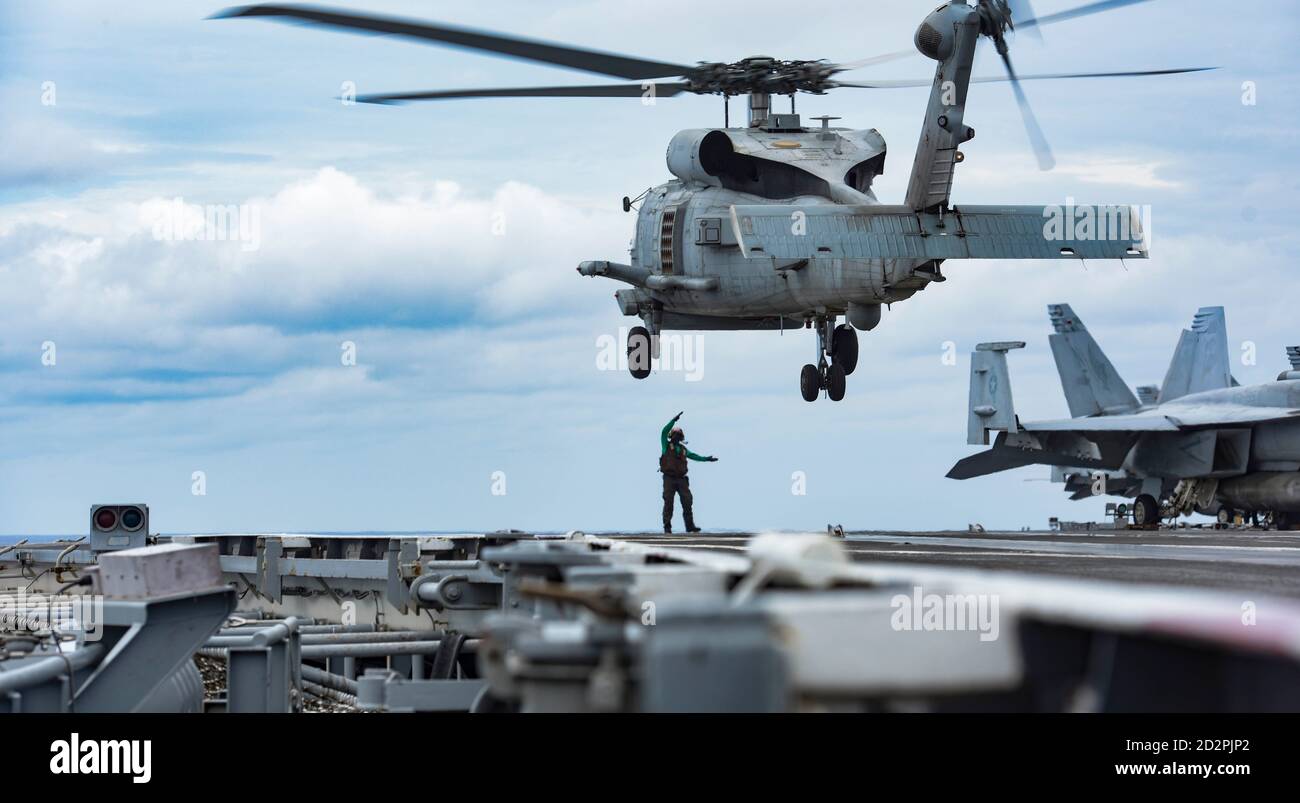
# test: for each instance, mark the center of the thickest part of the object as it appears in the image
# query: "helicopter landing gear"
(837, 356)
(844, 347)
(638, 352)
(810, 382)
(835, 381)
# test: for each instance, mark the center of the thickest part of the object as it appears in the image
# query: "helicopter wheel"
(810, 382)
(835, 381)
(638, 352)
(845, 347)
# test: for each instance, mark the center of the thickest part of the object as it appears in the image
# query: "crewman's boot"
(690, 524)
(668, 529)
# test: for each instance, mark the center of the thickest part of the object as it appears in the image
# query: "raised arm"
(663, 435)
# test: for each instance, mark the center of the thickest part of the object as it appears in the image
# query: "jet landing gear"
(1146, 511)
(840, 345)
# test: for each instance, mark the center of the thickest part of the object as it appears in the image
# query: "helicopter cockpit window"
(761, 177)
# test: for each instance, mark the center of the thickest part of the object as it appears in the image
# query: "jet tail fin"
(1091, 384)
(1293, 357)
(1200, 362)
(991, 405)
(1148, 394)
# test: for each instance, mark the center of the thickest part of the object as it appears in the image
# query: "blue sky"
(440, 240)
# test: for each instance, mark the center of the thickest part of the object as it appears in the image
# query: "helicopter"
(774, 224)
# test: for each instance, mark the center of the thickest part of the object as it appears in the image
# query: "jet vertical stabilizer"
(1201, 360)
(991, 406)
(1091, 384)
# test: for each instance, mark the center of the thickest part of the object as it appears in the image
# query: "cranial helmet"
(676, 435)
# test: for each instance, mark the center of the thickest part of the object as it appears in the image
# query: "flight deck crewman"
(673, 455)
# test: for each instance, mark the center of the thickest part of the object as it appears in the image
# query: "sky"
(397, 338)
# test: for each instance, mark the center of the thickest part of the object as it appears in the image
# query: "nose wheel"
(837, 357)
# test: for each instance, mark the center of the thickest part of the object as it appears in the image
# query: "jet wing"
(1170, 418)
(1137, 422)
(786, 231)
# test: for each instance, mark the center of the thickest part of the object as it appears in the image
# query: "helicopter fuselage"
(687, 266)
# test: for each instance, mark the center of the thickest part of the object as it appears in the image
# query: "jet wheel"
(1146, 511)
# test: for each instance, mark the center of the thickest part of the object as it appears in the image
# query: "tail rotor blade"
(1021, 10)
(1039, 142)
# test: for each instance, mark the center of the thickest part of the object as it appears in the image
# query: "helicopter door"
(670, 246)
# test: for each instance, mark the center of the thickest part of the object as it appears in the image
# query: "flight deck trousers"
(682, 487)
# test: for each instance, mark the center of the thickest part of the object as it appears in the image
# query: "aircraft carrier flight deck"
(1240, 559)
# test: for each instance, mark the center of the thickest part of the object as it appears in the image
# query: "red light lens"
(105, 518)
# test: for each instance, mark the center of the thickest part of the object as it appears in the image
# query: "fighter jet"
(1199, 443)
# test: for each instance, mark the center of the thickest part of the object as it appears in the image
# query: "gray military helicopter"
(774, 225)
(1198, 443)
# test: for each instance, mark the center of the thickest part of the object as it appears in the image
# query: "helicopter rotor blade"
(999, 79)
(593, 61)
(1042, 150)
(1069, 14)
(662, 90)
(873, 60)
(1022, 10)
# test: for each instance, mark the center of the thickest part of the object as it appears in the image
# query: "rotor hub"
(762, 74)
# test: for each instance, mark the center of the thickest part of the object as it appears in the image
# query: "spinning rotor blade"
(602, 91)
(1041, 149)
(531, 50)
(999, 20)
(872, 60)
(1021, 10)
(997, 79)
(1069, 14)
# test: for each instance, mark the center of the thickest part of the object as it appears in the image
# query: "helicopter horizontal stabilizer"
(968, 232)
